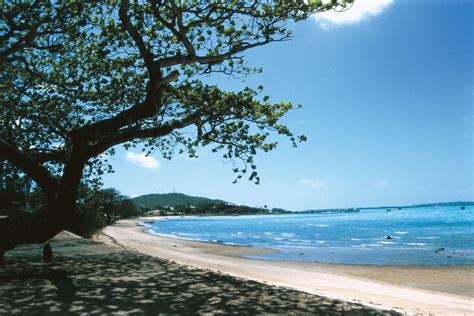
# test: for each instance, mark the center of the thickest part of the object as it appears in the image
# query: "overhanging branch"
(213, 59)
(137, 133)
(47, 182)
(144, 52)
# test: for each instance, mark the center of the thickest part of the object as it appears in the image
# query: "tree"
(78, 78)
(14, 191)
(96, 209)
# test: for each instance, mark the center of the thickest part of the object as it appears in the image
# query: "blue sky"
(387, 93)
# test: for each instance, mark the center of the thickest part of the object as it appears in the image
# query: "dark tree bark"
(40, 226)
(33, 228)
(47, 253)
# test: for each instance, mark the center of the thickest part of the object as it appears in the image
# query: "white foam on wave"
(415, 244)
(290, 246)
(152, 232)
(318, 225)
(427, 237)
(371, 245)
(300, 241)
(401, 233)
(388, 242)
(356, 239)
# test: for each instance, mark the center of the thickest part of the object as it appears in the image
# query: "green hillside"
(171, 199)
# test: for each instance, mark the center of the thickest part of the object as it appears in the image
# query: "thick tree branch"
(214, 59)
(144, 52)
(47, 182)
(60, 156)
(146, 109)
(137, 133)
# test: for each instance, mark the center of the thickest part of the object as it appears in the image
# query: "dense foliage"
(99, 208)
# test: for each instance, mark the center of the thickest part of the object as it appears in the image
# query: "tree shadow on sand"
(92, 278)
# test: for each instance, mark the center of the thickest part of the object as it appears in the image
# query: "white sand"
(412, 290)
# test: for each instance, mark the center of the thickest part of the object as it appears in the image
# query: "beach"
(126, 271)
(96, 277)
(443, 290)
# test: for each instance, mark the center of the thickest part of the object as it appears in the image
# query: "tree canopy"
(78, 78)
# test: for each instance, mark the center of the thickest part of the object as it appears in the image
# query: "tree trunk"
(47, 253)
(40, 226)
(32, 228)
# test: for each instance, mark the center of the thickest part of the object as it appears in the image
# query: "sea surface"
(421, 235)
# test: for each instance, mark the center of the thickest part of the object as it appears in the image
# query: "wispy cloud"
(312, 183)
(142, 160)
(361, 10)
(381, 184)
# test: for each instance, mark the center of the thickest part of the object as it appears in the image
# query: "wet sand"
(411, 290)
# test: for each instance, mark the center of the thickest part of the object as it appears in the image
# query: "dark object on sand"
(389, 237)
(47, 252)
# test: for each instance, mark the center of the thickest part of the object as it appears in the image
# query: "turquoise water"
(351, 238)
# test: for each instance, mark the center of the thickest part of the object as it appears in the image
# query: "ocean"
(419, 235)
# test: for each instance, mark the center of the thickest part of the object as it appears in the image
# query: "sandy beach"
(92, 277)
(410, 290)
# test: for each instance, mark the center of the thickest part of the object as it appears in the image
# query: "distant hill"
(172, 199)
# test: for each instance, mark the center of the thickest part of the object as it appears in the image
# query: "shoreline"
(273, 250)
(440, 290)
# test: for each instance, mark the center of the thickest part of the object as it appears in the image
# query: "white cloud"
(142, 160)
(312, 183)
(361, 10)
(381, 184)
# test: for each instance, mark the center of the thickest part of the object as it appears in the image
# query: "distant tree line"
(214, 209)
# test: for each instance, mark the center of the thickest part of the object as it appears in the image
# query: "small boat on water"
(149, 222)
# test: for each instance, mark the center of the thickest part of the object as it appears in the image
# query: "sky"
(387, 91)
